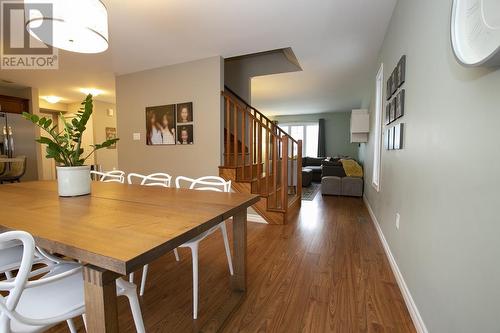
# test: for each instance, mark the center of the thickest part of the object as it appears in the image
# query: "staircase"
(260, 158)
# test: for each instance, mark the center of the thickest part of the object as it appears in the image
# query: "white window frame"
(377, 147)
(304, 131)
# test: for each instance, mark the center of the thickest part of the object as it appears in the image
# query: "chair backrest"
(207, 183)
(15, 286)
(115, 176)
(9, 243)
(154, 179)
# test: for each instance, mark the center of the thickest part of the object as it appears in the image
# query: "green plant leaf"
(64, 146)
(47, 124)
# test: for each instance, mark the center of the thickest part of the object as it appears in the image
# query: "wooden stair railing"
(262, 153)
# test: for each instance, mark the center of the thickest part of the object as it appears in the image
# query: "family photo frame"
(171, 124)
(185, 124)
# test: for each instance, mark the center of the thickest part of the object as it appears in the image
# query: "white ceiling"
(335, 41)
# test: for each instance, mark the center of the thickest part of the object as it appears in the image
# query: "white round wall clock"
(475, 32)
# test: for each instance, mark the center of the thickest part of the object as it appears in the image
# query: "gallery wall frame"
(397, 78)
(395, 107)
(388, 107)
(391, 138)
(398, 136)
(386, 138)
(171, 124)
(400, 104)
(394, 137)
(110, 133)
(389, 88)
(401, 71)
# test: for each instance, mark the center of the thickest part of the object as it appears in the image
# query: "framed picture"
(394, 76)
(160, 125)
(386, 139)
(185, 113)
(388, 106)
(389, 88)
(391, 138)
(401, 71)
(400, 104)
(393, 110)
(398, 136)
(185, 134)
(111, 134)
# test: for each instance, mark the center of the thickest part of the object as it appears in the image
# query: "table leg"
(239, 281)
(100, 300)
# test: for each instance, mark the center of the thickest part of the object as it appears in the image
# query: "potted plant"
(64, 146)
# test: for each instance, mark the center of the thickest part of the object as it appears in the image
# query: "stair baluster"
(270, 160)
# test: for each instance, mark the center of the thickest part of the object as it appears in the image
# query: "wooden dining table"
(119, 228)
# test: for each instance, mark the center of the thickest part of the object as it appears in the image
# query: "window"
(377, 149)
(308, 133)
(311, 141)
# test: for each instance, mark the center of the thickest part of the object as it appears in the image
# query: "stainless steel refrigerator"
(17, 138)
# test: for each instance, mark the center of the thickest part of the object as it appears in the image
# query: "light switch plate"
(137, 136)
(398, 218)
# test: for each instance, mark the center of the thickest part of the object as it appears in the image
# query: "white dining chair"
(34, 306)
(208, 183)
(155, 179)
(11, 256)
(56, 296)
(115, 176)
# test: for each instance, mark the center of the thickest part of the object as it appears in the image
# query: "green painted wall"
(337, 127)
(445, 182)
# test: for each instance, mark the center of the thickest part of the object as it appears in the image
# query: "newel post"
(284, 173)
(299, 169)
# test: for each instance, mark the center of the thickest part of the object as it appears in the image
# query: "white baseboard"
(255, 218)
(410, 304)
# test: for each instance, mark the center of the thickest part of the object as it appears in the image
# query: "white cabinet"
(360, 125)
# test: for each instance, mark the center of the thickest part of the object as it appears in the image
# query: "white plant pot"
(73, 181)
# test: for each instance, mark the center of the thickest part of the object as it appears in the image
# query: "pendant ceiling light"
(77, 26)
(475, 32)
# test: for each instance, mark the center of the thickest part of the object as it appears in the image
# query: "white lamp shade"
(77, 26)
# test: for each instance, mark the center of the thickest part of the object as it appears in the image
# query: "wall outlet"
(137, 136)
(398, 217)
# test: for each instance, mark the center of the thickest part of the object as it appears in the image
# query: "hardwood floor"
(325, 271)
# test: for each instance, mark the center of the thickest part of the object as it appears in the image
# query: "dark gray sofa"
(332, 167)
(314, 164)
(335, 182)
